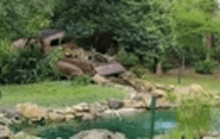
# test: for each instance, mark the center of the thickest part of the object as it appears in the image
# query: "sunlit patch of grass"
(56, 94)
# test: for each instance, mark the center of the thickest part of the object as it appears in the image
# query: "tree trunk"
(210, 45)
(159, 69)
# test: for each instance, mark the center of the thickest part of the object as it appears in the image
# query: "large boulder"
(142, 85)
(5, 121)
(69, 111)
(88, 117)
(96, 109)
(195, 89)
(115, 103)
(31, 111)
(4, 132)
(159, 93)
(11, 115)
(162, 103)
(98, 79)
(81, 107)
(69, 70)
(139, 100)
(55, 117)
(98, 134)
(85, 66)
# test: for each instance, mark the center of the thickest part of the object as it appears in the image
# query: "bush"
(28, 66)
(82, 80)
(139, 70)
(205, 67)
(194, 115)
(128, 59)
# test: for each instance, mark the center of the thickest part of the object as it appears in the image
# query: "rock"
(160, 86)
(140, 100)
(98, 79)
(29, 110)
(88, 117)
(5, 121)
(159, 93)
(78, 108)
(55, 117)
(129, 111)
(214, 134)
(69, 117)
(195, 89)
(70, 110)
(4, 132)
(161, 103)
(171, 88)
(142, 85)
(207, 137)
(121, 112)
(128, 75)
(115, 103)
(115, 80)
(69, 70)
(82, 107)
(98, 134)
(96, 109)
(22, 135)
(79, 114)
(10, 113)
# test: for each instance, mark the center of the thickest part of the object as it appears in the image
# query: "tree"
(194, 22)
(24, 18)
(102, 24)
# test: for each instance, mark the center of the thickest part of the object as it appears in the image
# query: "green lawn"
(61, 94)
(56, 94)
(208, 82)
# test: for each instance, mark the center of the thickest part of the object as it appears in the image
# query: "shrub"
(28, 66)
(194, 115)
(82, 80)
(205, 67)
(139, 70)
(128, 59)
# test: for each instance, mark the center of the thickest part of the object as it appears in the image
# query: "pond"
(132, 127)
(137, 127)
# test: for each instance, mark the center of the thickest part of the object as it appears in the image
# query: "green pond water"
(136, 127)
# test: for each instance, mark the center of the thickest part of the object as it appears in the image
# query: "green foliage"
(102, 23)
(128, 59)
(194, 115)
(205, 67)
(24, 18)
(194, 18)
(82, 81)
(28, 66)
(139, 70)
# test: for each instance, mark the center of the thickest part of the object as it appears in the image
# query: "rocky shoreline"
(137, 101)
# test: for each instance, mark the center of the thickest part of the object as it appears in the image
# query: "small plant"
(82, 80)
(128, 59)
(205, 67)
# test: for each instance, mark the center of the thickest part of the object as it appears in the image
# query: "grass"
(208, 82)
(56, 94)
